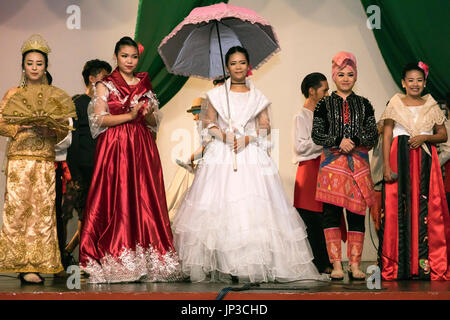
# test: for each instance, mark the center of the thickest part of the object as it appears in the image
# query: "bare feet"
(356, 273)
(337, 273)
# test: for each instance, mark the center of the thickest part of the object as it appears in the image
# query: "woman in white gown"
(240, 223)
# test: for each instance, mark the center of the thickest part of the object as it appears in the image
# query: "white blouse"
(304, 148)
(444, 147)
(399, 130)
(63, 145)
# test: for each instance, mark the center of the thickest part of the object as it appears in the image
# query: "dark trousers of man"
(61, 220)
(58, 204)
(355, 235)
(75, 199)
(448, 199)
(314, 228)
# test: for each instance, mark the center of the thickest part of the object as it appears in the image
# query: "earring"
(23, 80)
(44, 79)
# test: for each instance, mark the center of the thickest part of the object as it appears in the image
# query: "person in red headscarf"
(415, 233)
(344, 124)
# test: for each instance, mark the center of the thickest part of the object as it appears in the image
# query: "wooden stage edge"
(74, 295)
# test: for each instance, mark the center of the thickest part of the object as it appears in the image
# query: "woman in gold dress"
(28, 239)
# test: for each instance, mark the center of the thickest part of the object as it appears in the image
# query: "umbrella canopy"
(192, 48)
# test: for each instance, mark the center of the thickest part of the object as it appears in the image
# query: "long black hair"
(49, 76)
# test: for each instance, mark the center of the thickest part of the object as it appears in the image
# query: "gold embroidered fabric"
(28, 239)
(43, 105)
(429, 116)
(29, 144)
(7, 130)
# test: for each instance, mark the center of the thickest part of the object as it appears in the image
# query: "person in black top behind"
(80, 155)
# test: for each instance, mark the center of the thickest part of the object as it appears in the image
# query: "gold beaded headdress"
(35, 42)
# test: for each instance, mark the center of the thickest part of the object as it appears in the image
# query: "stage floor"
(57, 289)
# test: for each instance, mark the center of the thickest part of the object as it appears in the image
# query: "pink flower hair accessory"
(424, 67)
(140, 48)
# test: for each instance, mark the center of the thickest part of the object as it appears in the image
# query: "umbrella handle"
(234, 153)
(226, 92)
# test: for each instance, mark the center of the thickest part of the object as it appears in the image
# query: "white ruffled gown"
(240, 223)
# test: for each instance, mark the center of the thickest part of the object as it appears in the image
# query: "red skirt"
(415, 235)
(305, 186)
(126, 230)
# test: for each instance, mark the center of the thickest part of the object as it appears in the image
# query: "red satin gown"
(126, 233)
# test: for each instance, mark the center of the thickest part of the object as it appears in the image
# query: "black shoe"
(326, 270)
(67, 259)
(351, 277)
(24, 281)
(335, 278)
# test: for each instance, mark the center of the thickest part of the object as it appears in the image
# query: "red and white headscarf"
(341, 60)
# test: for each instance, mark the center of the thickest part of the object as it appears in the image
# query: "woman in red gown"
(126, 234)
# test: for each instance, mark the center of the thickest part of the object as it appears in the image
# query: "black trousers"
(85, 183)
(448, 198)
(316, 238)
(61, 218)
(332, 218)
(60, 227)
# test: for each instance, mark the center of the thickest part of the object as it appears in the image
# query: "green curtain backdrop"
(415, 30)
(155, 20)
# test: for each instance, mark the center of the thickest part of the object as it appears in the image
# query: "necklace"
(240, 83)
(133, 81)
(412, 102)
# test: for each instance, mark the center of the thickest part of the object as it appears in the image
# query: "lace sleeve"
(208, 115)
(263, 122)
(208, 120)
(388, 113)
(438, 116)
(263, 130)
(97, 108)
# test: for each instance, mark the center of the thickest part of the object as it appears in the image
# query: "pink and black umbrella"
(196, 47)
